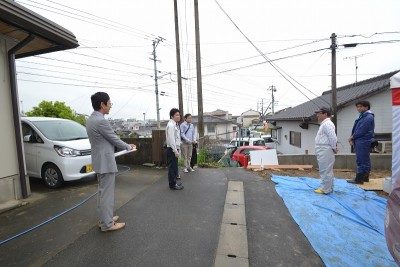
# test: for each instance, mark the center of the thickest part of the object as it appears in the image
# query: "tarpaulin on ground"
(346, 228)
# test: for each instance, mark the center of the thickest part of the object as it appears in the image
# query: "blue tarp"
(346, 227)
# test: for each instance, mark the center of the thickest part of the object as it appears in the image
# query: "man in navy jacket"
(362, 136)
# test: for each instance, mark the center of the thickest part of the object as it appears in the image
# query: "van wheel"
(52, 176)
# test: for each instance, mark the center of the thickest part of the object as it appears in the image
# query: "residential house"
(23, 33)
(216, 128)
(249, 117)
(220, 114)
(295, 128)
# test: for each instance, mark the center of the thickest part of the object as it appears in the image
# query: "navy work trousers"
(363, 160)
(172, 167)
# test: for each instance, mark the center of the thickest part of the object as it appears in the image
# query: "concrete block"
(233, 241)
(235, 186)
(234, 214)
(235, 197)
(225, 261)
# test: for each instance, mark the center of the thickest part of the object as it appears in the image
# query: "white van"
(269, 142)
(56, 150)
(246, 141)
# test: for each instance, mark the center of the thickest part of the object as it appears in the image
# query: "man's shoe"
(319, 191)
(179, 177)
(191, 169)
(176, 187)
(354, 181)
(359, 179)
(115, 218)
(185, 170)
(115, 227)
(366, 177)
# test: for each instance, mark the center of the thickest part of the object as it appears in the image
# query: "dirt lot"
(313, 173)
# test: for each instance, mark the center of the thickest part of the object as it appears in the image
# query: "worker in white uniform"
(325, 150)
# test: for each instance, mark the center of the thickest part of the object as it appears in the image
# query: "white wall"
(222, 131)
(8, 157)
(307, 138)
(381, 106)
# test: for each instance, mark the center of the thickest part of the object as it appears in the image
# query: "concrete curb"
(233, 246)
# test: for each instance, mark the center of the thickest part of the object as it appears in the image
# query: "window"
(295, 138)
(259, 143)
(211, 128)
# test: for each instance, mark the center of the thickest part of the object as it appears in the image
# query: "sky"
(246, 48)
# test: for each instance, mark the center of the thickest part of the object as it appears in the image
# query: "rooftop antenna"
(355, 61)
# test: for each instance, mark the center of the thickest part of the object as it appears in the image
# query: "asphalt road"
(164, 227)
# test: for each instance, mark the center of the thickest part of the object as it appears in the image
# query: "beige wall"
(9, 172)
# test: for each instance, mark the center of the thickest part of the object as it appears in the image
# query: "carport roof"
(18, 22)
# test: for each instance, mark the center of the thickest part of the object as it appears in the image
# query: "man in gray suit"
(103, 141)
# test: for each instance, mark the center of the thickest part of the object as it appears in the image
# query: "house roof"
(254, 112)
(211, 119)
(345, 95)
(18, 23)
(216, 112)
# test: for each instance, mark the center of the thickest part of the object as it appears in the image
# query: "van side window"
(27, 130)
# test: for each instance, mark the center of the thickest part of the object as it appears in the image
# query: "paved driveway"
(164, 227)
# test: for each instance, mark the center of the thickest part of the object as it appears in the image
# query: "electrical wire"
(263, 55)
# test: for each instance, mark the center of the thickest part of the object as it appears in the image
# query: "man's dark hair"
(328, 112)
(172, 112)
(187, 115)
(364, 103)
(98, 98)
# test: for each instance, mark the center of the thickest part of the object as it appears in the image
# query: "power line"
(74, 74)
(113, 61)
(118, 72)
(148, 35)
(83, 64)
(84, 18)
(262, 54)
(269, 53)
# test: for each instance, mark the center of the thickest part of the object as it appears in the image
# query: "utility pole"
(198, 68)
(334, 98)
(155, 44)
(272, 89)
(262, 108)
(178, 59)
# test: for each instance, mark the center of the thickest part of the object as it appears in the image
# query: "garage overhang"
(18, 22)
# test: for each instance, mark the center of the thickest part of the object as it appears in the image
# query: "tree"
(55, 110)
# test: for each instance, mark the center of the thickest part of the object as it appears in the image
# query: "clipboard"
(123, 152)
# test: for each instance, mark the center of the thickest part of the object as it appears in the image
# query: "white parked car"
(269, 142)
(246, 141)
(56, 150)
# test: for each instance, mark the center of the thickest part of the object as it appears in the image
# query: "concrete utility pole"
(262, 108)
(178, 59)
(272, 89)
(334, 97)
(155, 44)
(199, 83)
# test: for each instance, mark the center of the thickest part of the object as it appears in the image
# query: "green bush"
(205, 161)
(202, 156)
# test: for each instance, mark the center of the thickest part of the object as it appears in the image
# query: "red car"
(242, 154)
